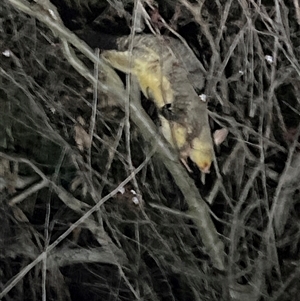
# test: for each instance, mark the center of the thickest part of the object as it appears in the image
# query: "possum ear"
(220, 136)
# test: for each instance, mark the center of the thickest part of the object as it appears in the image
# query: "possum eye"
(167, 112)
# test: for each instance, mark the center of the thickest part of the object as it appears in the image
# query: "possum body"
(163, 77)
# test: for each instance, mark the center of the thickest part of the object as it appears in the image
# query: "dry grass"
(88, 209)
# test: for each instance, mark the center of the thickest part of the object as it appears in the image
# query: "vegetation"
(95, 204)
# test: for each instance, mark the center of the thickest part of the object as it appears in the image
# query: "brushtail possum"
(167, 74)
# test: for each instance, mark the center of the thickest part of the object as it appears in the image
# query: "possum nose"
(205, 168)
